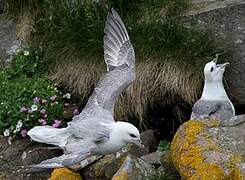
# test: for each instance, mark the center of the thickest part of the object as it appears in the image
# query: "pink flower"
(30, 111)
(56, 123)
(23, 109)
(66, 104)
(43, 111)
(43, 122)
(53, 98)
(23, 132)
(36, 100)
(43, 101)
(75, 112)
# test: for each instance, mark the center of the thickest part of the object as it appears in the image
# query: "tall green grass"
(66, 28)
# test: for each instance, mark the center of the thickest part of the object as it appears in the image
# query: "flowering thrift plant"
(27, 99)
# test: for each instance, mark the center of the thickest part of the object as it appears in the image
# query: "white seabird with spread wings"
(94, 131)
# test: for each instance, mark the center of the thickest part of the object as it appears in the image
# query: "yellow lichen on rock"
(192, 148)
(123, 175)
(64, 174)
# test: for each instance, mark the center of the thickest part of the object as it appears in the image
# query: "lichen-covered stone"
(133, 168)
(64, 173)
(205, 150)
(104, 168)
(162, 160)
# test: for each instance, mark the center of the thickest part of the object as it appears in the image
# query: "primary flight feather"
(94, 131)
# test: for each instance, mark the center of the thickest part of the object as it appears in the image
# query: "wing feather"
(119, 56)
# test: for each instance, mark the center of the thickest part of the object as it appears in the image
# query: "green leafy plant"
(27, 97)
(163, 145)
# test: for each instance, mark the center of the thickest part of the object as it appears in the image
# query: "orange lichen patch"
(188, 149)
(122, 175)
(209, 171)
(64, 174)
(236, 174)
(233, 160)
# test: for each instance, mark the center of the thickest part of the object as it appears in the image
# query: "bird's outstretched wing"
(120, 60)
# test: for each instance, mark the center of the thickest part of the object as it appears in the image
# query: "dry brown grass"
(25, 25)
(158, 83)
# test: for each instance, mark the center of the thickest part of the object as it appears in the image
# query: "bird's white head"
(128, 133)
(213, 72)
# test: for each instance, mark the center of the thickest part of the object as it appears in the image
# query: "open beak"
(138, 143)
(221, 66)
(215, 60)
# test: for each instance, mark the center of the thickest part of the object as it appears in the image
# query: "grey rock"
(231, 135)
(9, 44)
(226, 20)
(134, 169)
(153, 158)
(149, 140)
(217, 143)
(22, 152)
(104, 168)
(162, 162)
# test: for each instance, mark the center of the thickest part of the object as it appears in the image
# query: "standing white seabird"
(94, 131)
(214, 102)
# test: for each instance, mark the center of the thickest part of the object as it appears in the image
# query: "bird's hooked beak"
(215, 60)
(138, 143)
(221, 66)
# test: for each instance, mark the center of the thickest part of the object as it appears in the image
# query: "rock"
(22, 152)
(105, 168)
(9, 43)
(134, 169)
(153, 158)
(161, 160)
(85, 163)
(149, 140)
(226, 21)
(210, 149)
(64, 173)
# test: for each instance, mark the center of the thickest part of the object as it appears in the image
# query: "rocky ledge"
(210, 149)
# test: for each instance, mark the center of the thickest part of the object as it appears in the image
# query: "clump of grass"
(185, 46)
(71, 29)
(157, 85)
(15, 7)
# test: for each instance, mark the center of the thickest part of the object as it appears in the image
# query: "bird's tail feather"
(60, 161)
(49, 135)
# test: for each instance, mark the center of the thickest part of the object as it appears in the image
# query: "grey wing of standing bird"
(212, 110)
(92, 125)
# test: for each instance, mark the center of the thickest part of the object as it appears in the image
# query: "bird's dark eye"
(132, 135)
(212, 68)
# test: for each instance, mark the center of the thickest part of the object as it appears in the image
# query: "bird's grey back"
(204, 109)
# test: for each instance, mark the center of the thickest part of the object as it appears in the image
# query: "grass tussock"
(157, 84)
